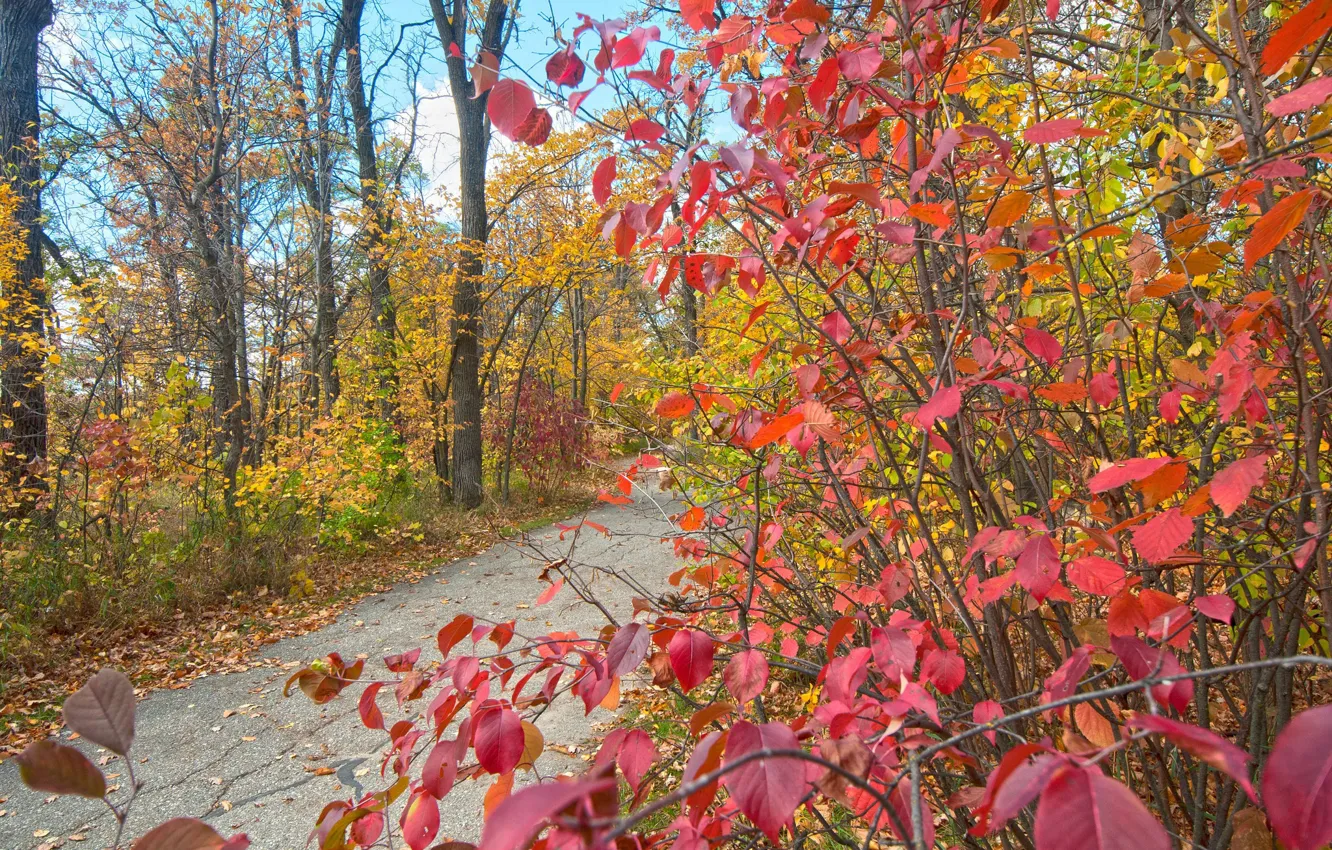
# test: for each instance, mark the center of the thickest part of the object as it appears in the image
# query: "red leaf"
(1298, 32)
(1297, 781)
(675, 406)
(1083, 809)
(1232, 485)
(1305, 97)
(766, 792)
(690, 652)
(536, 129)
(511, 101)
(565, 68)
(944, 404)
(1038, 566)
(602, 178)
(1042, 344)
(549, 593)
(441, 766)
(1125, 471)
(499, 739)
(1161, 536)
(1056, 130)
(859, 66)
(746, 675)
(944, 668)
(1275, 225)
(1063, 683)
(516, 820)
(1206, 745)
(420, 820)
(984, 712)
(1025, 784)
(644, 130)
(1008, 765)
(1219, 607)
(1141, 661)
(699, 14)
(806, 10)
(1097, 576)
(635, 755)
(371, 716)
(450, 635)
(403, 661)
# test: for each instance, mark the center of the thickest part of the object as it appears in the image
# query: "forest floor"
(229, 748)
(159, 649)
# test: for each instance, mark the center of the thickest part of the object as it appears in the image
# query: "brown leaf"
(181, 834)
(103, 711)
(48, 766)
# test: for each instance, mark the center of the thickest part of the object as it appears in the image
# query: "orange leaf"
(1301, 30)
(675, 405)
(1162, 484)
(776, 429)
(1008, 209)
(933, 214)
(1062, 393)
(1275, 225)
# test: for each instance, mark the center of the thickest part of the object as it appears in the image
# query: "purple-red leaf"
(1206, 745)
(188, 834)
(1142, 661)
(511, 101)
(602, 179)
(767, 790)
(627, 649)
(690, 652)
(1297, 781)
(944, 404)
(516, 820)
(746, 675)
(1083, 809)
(499, 739)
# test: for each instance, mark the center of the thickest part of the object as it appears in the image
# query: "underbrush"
(58, 591)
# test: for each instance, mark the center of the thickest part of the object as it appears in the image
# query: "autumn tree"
(26, 303)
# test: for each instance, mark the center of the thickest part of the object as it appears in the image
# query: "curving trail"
(231, 750)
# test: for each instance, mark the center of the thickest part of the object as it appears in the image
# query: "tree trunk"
(23, 324)
(474, 143)
(379, 223)
(314, 172)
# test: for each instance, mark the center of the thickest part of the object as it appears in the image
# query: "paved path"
(254, 770)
